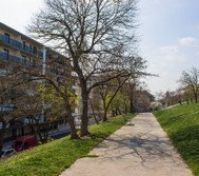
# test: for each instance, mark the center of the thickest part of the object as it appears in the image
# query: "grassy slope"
(52, 158)
(182, 125)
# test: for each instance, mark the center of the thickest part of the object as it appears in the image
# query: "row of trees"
(188, 91)
(97, 37)
(190, 83)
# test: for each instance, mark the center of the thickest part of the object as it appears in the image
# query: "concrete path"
(141, 148)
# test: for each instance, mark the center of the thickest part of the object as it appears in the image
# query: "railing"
(3, 55)
(15, 44)
(25, 62)
(40, 53)
(7, 107)
(20, 60)
(15, 59)
(7, 40)
(8, 57)
(27, 49)
(18, 45)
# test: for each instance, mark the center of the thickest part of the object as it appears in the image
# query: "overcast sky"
(168, 32)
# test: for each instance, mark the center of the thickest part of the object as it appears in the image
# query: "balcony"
(18, 45)
(27, 49)
(3, 56)
(7, 107)
(40, 53)
(15, 59)
(8, 57)
(19, 60)
(11, 42)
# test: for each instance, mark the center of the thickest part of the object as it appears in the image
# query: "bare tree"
(56, 100)
(191, 79)
(109, 91)
(120, 104)
(56, 81)
(61, 94)
(89, 32)
(131, 87)
(29, 107)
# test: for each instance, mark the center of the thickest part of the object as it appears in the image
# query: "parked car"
(25, 142)
(7, 152)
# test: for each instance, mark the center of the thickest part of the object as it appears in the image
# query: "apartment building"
(19, 49)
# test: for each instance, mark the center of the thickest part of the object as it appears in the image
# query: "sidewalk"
(141, 148)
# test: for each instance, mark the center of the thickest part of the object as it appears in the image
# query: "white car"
(7, 152)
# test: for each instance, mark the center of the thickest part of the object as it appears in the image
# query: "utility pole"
(44, 73)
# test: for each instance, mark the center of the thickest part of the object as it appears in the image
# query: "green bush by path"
(182, 125)
(52, 158)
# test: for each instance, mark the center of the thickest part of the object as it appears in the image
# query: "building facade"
(17, 49)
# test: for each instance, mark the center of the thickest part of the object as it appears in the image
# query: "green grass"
(52, 158)
(182, 125)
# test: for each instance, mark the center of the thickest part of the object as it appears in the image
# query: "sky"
(169, 40)
(168, 33)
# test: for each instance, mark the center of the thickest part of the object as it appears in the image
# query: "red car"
(25, 142)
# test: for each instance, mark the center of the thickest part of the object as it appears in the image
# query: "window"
(34, 62)
(31, 48)
(23, 59)
(7, 37)
(34, 50)
(7, 53)
(24, 45)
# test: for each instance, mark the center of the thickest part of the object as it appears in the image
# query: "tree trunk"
(93, 111)
(120, 113)
(107, 106)
(105, 110)
(117, 112)
(196, 97)
(42, 132)
(38, 133)
(131, 106)
(71, 120)
(84, 116)
(105, 115)
(126, 109)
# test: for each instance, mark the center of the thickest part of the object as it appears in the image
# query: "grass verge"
(182, 125)
(52, 158)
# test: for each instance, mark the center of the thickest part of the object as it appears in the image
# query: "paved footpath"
(141, 148)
